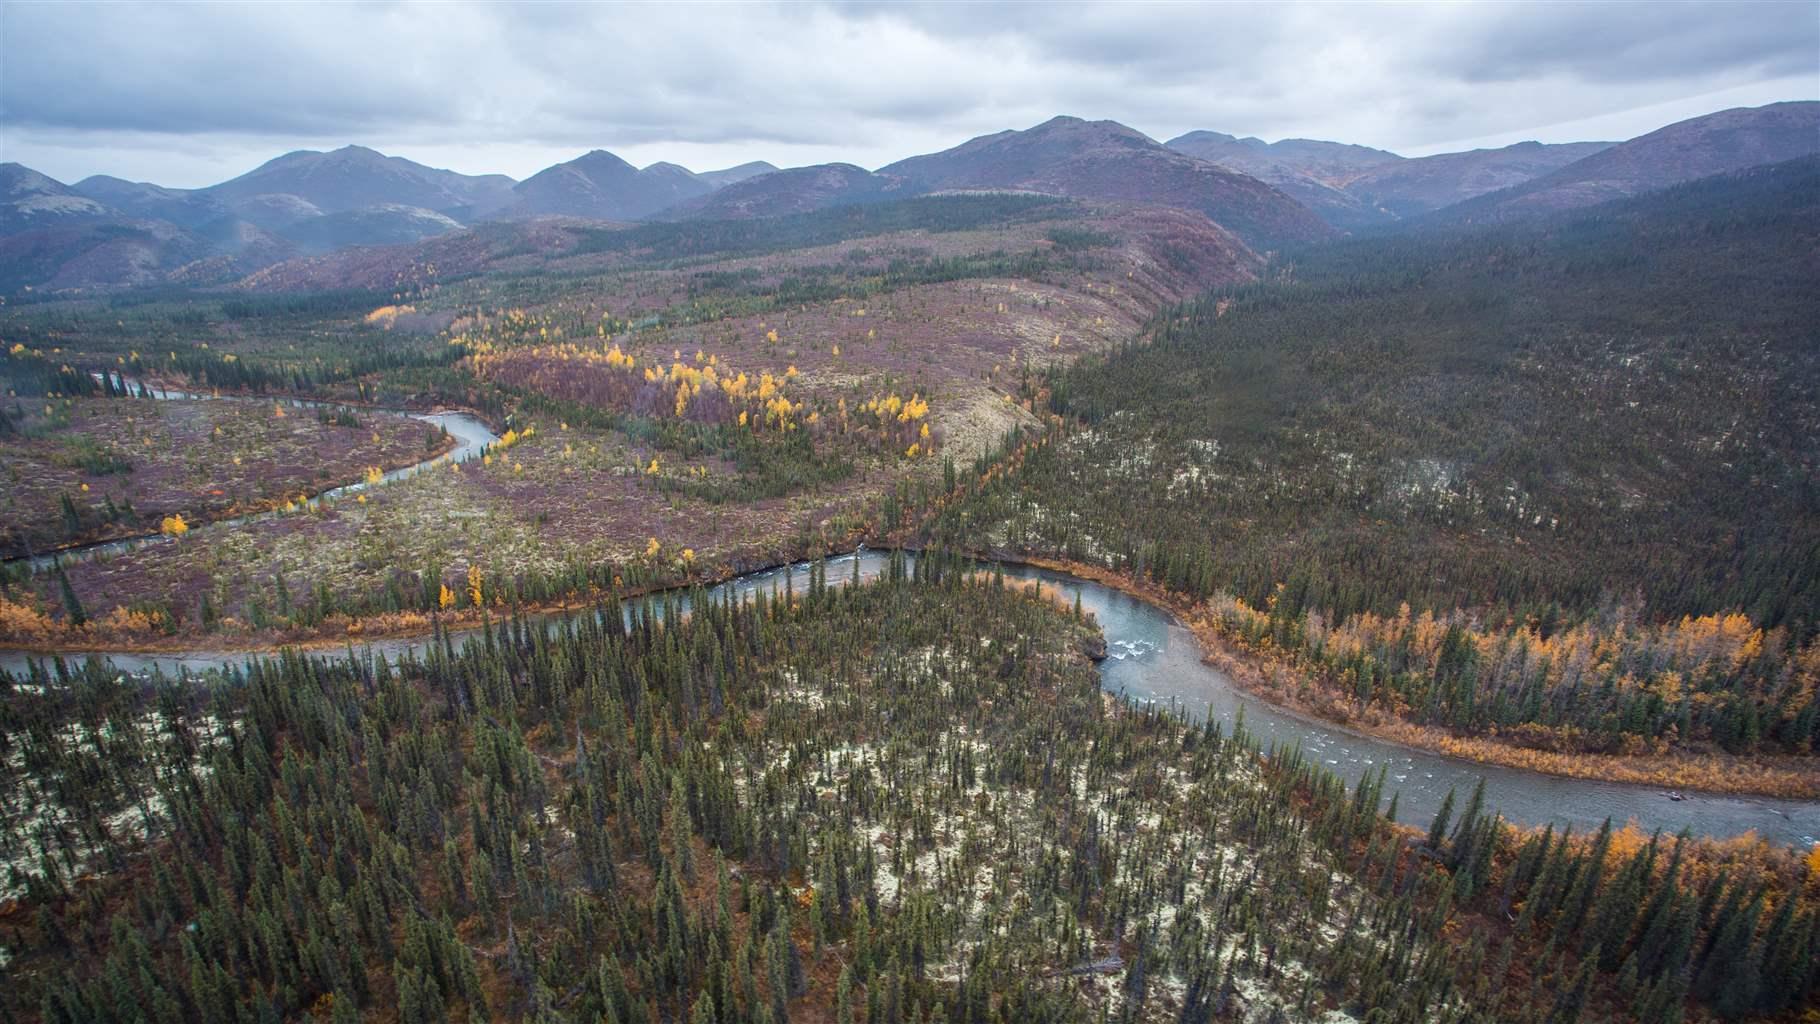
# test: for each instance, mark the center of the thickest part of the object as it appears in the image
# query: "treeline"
(720, 296)
(30, 373)
(759, 235)
(167, 317)
(1601, 419)
(333, 303)
(207, 369)
(1607, 684)
(900, 802)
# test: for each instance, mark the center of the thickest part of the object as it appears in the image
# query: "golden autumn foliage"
(173, 526)
(386, 316)
(1674, 661)
(23, 622)
(131, 621)
(704, 390)
(513, 436)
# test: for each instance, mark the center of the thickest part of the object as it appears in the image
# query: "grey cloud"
(1641, 42)
(861, 79)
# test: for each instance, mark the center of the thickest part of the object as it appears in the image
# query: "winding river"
(1152, 657)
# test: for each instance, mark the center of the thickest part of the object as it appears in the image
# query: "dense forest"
(899, 801)
(1556, 478)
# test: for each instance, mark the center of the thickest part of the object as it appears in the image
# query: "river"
(1152, 657)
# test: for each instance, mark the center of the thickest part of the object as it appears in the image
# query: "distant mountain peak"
(792, 190)
(601, 156)
(666, 167)
(1069, 124)
(1107, 160)
(732, 175)
(1201, 135)
(356, 177)
(29, 199)
(599, 185)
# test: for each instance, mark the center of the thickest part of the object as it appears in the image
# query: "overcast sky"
(190, 95)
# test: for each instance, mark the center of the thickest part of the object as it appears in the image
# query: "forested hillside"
(1557, 478)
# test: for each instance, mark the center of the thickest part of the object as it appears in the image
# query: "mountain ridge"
(1082, 159)
(1271, 194)
(1699, 147)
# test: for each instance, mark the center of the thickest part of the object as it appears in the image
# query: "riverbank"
(1276, 680)
(337, 632)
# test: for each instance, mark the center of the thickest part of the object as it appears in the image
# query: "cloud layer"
(190, 94)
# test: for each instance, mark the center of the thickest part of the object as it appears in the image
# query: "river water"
(1152, 657)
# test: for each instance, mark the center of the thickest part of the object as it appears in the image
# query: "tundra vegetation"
(81, 469)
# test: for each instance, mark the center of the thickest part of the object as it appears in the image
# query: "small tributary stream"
(471, 440)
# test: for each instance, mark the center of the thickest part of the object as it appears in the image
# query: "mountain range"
(1356, 186)
(105, 231)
